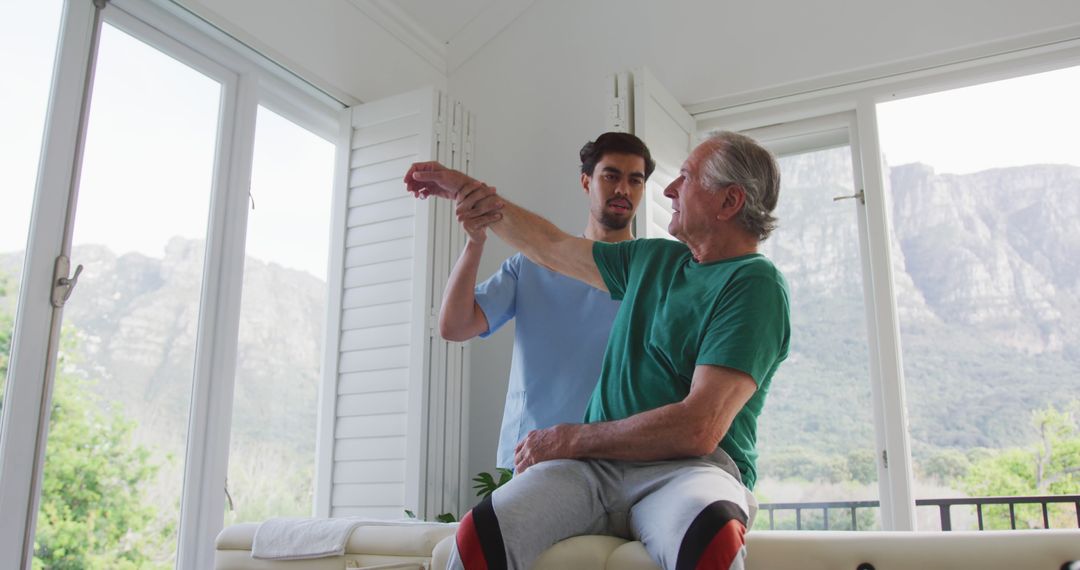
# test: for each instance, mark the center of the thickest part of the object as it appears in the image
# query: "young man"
(562, 324)
(667, 453)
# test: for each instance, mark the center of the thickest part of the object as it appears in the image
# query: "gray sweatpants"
(656, 502)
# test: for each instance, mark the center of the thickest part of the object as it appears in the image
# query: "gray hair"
(740, 160)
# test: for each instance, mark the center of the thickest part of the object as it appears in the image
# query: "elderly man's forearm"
(547, 245)
(668, 432)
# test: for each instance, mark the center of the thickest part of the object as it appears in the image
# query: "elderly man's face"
(694, 207)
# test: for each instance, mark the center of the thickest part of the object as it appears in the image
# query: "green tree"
(1051, 466)
(804, 464)
(862, 464)
(945, 466)
(6, 322)
(92, 513)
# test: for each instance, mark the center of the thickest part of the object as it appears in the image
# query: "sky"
(150, 147)
(148, 164)
(1033, 119)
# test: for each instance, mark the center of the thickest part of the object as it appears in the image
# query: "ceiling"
(443, 32)
(443, 20)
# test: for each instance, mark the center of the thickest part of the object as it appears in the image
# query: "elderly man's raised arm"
(478, 206)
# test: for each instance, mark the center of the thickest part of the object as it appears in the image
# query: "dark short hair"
(619, 143)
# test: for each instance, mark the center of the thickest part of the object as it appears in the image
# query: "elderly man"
(666, 454)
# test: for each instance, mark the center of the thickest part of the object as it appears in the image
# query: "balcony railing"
(944, 508)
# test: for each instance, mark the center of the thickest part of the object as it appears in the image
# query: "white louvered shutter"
(446, 399)
(383, 356)
(667, 129)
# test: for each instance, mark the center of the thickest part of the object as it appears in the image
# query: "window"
(275, 402)
(970, 286)
(984, 184)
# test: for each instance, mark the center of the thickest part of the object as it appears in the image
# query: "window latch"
(860, 196)
(62, 284)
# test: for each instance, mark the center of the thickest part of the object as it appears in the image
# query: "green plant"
(443, 518)
(485, 486)
(486, 482)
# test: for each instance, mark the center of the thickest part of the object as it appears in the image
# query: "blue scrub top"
(560, 336)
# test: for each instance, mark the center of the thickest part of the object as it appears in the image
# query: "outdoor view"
(984, 191)
(117, 441)
(985, 196)
(281, 324)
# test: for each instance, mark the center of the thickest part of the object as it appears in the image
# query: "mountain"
(135, 317)
(987, 279)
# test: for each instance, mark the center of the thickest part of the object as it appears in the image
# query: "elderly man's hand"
(544, 445)
(433, 179)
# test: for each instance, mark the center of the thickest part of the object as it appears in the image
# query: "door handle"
(860, 195)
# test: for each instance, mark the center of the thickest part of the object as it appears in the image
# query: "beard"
(614, 221)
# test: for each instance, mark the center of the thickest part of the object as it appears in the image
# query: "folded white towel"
(302, 538)
(298, 539)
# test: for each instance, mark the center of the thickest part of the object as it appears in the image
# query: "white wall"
(538, 90)
(328, 42)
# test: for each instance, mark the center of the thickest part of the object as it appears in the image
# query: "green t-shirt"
(677, 313)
